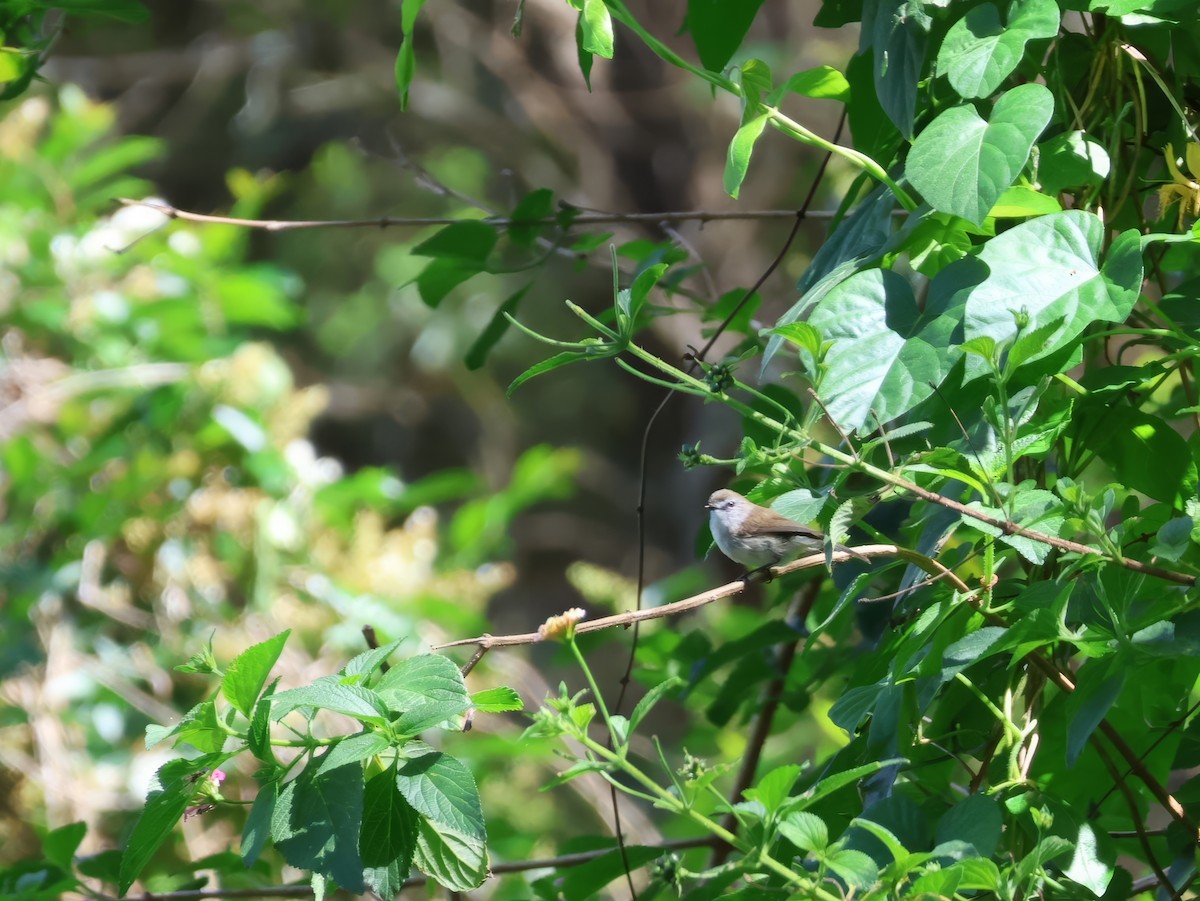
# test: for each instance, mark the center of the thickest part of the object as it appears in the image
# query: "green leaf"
(586, 59)
(1042, 608)
(774, 787)
(452, 843)
(258, 739)
(1071, 160)
(1030, 508)
(389, 824)
(1091, 866)
(587, 879)
(937, 241)
(855, 867)
(630, 303)
(962, 164)
(597, 28)
(406, 60)
(805, 830)
(495, 329)
(830, 784)
(256, 297)
(316, 823)
(740, 148)
(329, 693)
(1020, 202)
(258, 823)
(718, 27)
(524, 226)
(442, 276)
(978, 53)
(884, 351)
(247, 674)
(821, 83)
(976, 820)
(977, 874)
(555, 362)
(1097, 687)
(1142, 450)
(972, 647)
(366, 663)
(353, 749)
(388, 882)
(859, 238)
(170, 793)
(651, 698)
(470, 240)
(896, 33)
(1059, 255)
(1174, 539)
(425, 691)
(198, 727)
(755, 78)
(59, 845)
(805, 337)
(497, 700)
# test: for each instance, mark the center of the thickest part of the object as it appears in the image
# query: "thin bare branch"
(279, 225)
(305, 891)
(629, 617)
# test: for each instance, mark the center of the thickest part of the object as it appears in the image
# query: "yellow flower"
(1182, 188)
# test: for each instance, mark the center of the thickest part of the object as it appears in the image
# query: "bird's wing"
(780, 524)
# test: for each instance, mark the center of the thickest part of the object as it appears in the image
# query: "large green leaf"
(886, 353)
(1097, 687)
(330, 693)
(451, 844)
(962, 164)
(389, 824)
(1142, 450)
(316, 823)
(896, 32)
(1043, 271)
(425, 691)
(979, 52)
(977, 820)
(858, 239)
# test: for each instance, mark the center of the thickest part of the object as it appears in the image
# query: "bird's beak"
(709, 507)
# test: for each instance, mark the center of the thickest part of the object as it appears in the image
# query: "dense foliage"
(988, 377)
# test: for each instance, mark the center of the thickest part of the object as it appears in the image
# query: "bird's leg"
(763, 574)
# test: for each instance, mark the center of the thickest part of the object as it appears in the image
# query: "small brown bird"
(758, 537)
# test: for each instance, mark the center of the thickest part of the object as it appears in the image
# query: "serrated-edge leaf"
(173, 788)
(500, 699)
(805, 830)
(258, 824)
(353, 749)
(650, 698)
(389, 824)
(327, 693)
(367, 662)
(247, 673)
